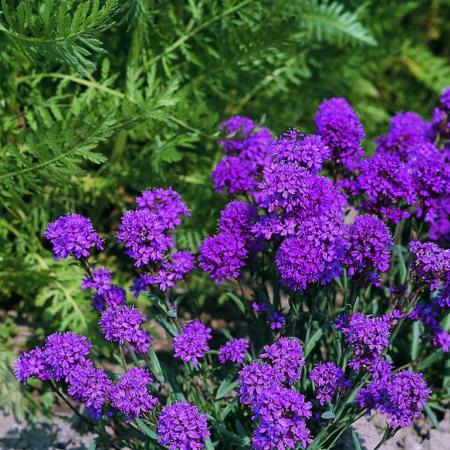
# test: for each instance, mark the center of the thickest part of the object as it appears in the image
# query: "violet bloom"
(234, 351)
(430, 264)
(64, 351)
(407, 131)
(277, 320)
(328, 379)
(166, 204)
(438, 218)
(237, 218)
(100, 280)
(32, 364)
(141, 284)
(369, 245)
(72, 235)
(309, 152)
(143, 235)
(234, 174)
(286, 356)
(341, 130)
(222, 256)
(367, 336)
(387, 185)
(236, 129)
(401, 397)
(182, 427)
(192, 343)
(110, 297)
(440, 122)
(281, 414)
(122, 325)
(130, 394)
(91, 386)
(254, 378)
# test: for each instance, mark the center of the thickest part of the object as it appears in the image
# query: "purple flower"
(143, 235)
(407, 131)
(368, 337)
(277, 320)
(64, 351)
(254, 378)
(259, 306)
(237, 129)
(341, 130)
(110, 297)
(438, 218)
(91, 386)
(281, 413)
(173, 269)
(429, 263)
(192, 343)
(72, 235)
(165, 204)
(234, 351)
(141, 284)
(100, 280)
(122, 325)
(286, 356)
(182, 427)
(130, 394)
(309, 152)
(387, 185)
(237, 218)
(237, 175)
(368, 246)
(328, 379)
(32, 364)
(401, 397)
(222, 256)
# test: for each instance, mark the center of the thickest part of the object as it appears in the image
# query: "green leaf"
(415, 340)
(431, 415)
(146, 429)
(356, 441)
(313, 340)
(328, 415)
(225, 387)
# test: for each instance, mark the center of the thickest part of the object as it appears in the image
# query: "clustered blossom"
(277, 321)
(100, 279)
(429, 263)
(401, 397)
(234, 351)
(281, 415)
(286, 356)
(341, 131)
(91, 386)
(192, 343)
(234, 175)
(32, 364)
(222, 256)
(165, 204)
(368, 247)
(182, 427)
(237, 218)
(72, 235)
(122, 325)
(440, 122)
(367, 336)
(309, 152)
(130, 394)
(328, 378)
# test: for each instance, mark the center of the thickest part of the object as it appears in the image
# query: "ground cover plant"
(333, 260)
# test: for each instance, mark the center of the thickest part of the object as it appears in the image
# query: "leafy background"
(101, 99)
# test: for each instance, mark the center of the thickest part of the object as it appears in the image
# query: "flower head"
(130, 394)
(237, 218)
(72, 235)
(110, 297)
(234, 351)
(328, 378)
(32, 364)
(122, 325)
(100, 280)
(236, 175)
(192, 343)
(182, 427)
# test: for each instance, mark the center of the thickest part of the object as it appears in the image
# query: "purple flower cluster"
(328, 378)
(130, 394)
(72, 235)
(367, 336)
(165, 204)
(192, 343)
(122, 325)
(32, 364)
(234, 351)
(308, 152)
(368, 247)
(401, 397)
(341, 131)
(237, 218)
(248, 151)
(281, 415)
(182, 427)
(440, 122)
(286, 356)
(430, 264)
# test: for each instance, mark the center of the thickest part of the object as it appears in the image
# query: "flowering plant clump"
(331, 262)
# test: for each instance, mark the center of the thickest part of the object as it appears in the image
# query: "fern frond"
(327, 21)
(48, 32)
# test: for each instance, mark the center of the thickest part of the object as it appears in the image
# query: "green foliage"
(100, 99)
